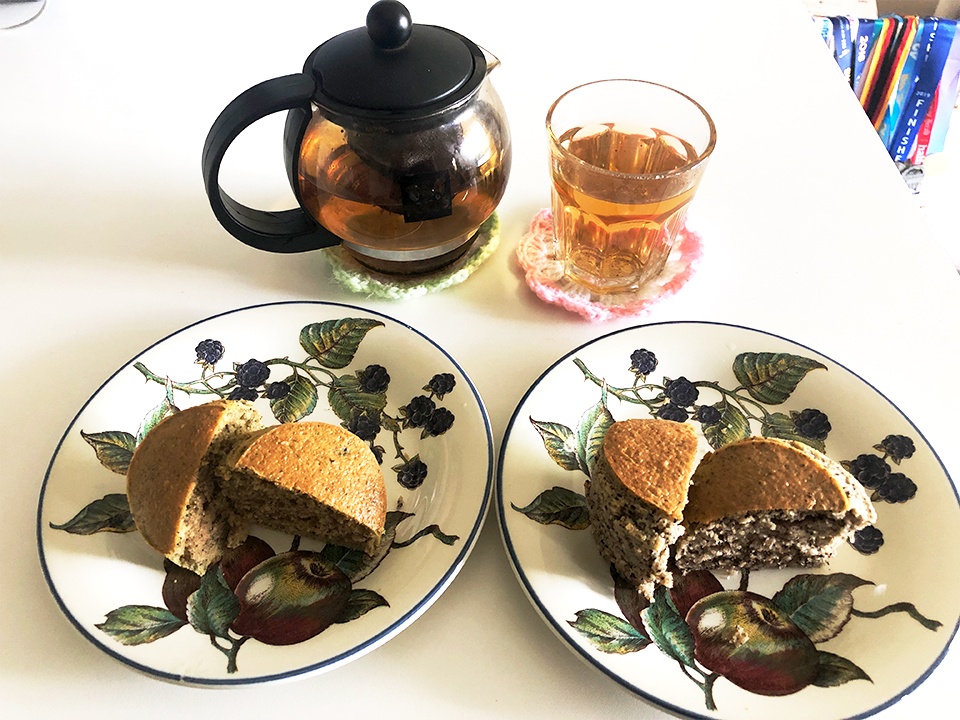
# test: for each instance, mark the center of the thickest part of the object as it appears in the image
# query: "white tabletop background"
(107, 244)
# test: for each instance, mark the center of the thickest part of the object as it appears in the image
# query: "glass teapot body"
(407, 200)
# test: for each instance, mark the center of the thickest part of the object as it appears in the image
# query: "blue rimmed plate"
(845, 640)
(298, 360)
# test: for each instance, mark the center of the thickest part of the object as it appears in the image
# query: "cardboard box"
(937, 8)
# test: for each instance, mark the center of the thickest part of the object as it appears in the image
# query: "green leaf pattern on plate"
(668, 629)
(561, 444)
(139, 624)
(559, 506)
(609, 633)
(733, 425)
(299, 402)
(834, 671)
(348, 400)
(111, 513)
(213, 607)
(591, 429)
(771, 378)
(820, 605)
(333, 343)
(114, 448)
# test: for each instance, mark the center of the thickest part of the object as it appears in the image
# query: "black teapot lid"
(392, 69)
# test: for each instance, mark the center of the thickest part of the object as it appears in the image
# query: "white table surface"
(107, 243)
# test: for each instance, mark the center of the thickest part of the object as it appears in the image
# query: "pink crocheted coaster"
(544, 274)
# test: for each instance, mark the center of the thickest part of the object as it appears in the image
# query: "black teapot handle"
(286, 231)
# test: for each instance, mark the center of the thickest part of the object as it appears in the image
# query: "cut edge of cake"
(769, 503)
(635, 494)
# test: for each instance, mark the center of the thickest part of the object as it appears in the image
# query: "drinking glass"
(626, 159)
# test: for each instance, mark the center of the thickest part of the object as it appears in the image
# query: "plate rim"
(439, 587)
(555, 626)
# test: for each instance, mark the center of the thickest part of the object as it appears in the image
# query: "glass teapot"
(396, 146)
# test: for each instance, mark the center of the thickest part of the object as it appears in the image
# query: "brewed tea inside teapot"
(396, 146)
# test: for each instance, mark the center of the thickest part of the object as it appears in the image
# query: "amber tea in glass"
(626, 160)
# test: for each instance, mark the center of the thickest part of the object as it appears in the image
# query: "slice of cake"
(763, 502)
(172, 485)
(203, 474)
(635, 496)
(312, 479)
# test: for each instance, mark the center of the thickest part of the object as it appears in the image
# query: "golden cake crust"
(654, 460)
(162, 473)
(763, 474)
(326, 462)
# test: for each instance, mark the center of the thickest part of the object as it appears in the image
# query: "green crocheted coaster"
(360, 279)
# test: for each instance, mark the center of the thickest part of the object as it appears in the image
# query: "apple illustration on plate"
(289, 598)
(237, 562)
(753, 643)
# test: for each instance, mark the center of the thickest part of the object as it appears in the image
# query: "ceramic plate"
(845, 640)
(307, 360)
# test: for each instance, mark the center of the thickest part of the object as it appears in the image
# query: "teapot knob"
(389, 24)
